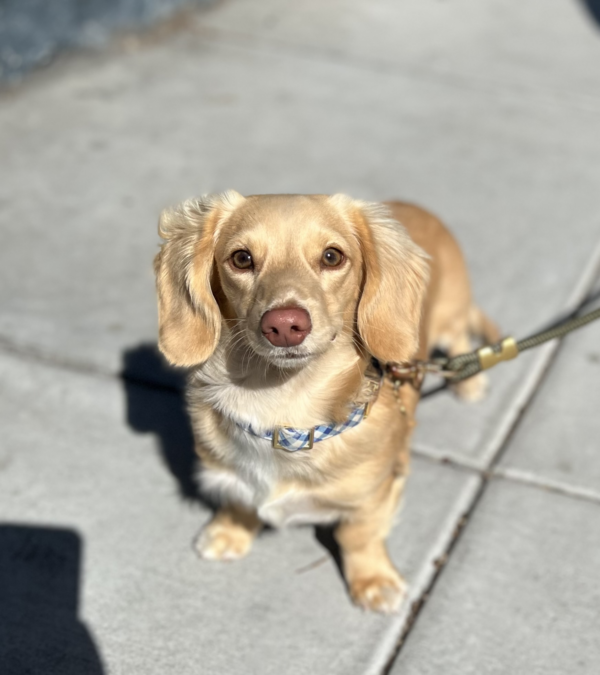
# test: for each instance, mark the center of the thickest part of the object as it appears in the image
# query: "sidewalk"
(487, 113)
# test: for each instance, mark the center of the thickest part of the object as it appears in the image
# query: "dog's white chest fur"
(256, 483)
(287, 508)
(254, 473)
(294, 508)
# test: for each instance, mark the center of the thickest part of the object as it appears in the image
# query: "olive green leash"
(458, 368)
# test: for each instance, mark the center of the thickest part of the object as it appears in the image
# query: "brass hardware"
(372, 388)
(277, 444)
(412, 373)
(396, 384)
(489, 357)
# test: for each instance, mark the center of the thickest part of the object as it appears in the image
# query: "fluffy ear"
(189, 318)
(395, 277)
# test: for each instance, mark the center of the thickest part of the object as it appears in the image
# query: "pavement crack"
(34, 355)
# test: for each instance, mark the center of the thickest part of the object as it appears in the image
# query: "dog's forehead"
(295, 214)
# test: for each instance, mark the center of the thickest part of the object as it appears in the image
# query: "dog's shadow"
(155, 404)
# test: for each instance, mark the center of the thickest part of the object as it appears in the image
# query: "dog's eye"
(332, 257)
(242, 260)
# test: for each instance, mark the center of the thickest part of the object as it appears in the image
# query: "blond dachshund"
(279, 305)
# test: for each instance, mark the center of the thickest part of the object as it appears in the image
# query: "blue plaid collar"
(293, 439)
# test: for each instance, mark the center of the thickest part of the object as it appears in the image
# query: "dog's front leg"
(372, 580)
(229, 535)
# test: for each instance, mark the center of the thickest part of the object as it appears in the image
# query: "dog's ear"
(189, 318)
(395, 277)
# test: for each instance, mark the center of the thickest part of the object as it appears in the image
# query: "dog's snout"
(286, 326)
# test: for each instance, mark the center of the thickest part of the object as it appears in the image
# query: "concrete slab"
(491, 45)
(93, 152)
(93, 500)
(557, 441)
(520, 593)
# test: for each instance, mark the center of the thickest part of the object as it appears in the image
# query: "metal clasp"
(412, 373)
(492, 356)
(277, 444)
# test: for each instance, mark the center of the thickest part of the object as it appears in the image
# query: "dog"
(285, 308)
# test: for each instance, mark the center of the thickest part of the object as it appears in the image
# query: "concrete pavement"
(485, 113)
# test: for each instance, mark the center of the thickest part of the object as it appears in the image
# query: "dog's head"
(290, 275)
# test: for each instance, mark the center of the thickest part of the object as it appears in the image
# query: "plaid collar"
(296, 438)
(293, 439)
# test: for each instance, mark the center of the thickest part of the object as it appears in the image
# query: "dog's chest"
(254, 473)
(296, 508)
(278, 507)
(264, 480)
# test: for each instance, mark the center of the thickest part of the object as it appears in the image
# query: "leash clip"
(407, 373)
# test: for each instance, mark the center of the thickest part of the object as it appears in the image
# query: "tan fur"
(402, 289)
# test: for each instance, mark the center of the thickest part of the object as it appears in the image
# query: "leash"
(463, 366)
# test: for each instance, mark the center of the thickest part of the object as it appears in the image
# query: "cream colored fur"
(399, 290)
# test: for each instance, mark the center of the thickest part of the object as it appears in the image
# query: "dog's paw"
(472, 389)
(223, 542)
(379, 593)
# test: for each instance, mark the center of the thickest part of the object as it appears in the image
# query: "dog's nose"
(286, 326)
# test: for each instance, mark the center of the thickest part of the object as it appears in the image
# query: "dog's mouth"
(288, 357)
